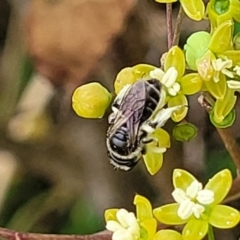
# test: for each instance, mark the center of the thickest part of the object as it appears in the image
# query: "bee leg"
(159, 119)
(149, 140)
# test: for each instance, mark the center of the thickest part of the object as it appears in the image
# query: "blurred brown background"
(56, 175)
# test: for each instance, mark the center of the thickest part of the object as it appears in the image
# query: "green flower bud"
(218, 12)
(196, 46)
(227, 121)
(184, 132)
(91, 100)
(221, 6)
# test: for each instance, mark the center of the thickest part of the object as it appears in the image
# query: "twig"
(13, 235)
(229, 141)
(177, 30)
(230, 144)
(169, 24)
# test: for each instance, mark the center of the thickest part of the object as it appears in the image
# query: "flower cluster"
(196, 207)
(209, 64)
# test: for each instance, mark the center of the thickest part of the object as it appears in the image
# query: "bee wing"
(131, 108)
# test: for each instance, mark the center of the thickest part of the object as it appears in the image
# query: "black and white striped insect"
(136, 112)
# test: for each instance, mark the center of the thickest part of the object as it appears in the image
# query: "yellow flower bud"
(91, 100)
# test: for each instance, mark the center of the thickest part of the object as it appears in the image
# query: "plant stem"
(225, 134)
(210, 233)
(12, 235)
(169, 25)
(230, 144)
(177, 30)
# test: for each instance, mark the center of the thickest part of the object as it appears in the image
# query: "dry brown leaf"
(67, 38)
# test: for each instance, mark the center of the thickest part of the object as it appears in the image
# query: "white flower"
(237, 70)
(125, 228)
(192, 200)
(233, 84)
(168, 79)
(221, 66)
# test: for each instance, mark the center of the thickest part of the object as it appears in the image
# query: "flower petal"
(153, 161)
(204, 66)
(168, 214)
(123, 78)
(175, 58)
(196, 46)
(222, 216)
(193, 8)
(195, 229)
(167, 235)
(179, 195)
(223, 107)
(233, 55)
(150, 226)
(110, 214)
(113, 226)
(222, 37)
(233, 84)
(217, 89)
(182, 179)
(143, 208)
(191, 83)
(205, 196)
(235, 9)
(185, 209)
(220, 184)
(179, 100)
(142, 70)
(122, 217)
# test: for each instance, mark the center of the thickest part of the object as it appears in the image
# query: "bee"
(136, 111)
